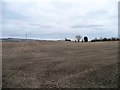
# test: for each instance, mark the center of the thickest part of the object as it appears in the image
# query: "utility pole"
(26, 36)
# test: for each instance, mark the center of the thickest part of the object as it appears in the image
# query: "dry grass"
(60, 64)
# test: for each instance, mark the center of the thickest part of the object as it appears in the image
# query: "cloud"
(86, 26)
(53, 18)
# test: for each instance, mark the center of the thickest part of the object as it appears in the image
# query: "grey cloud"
(92, 14)
(97, 12)
(63, 5)
(9, 14)
(100, 28)
(41, 26)
(86, 26)
(55, 19)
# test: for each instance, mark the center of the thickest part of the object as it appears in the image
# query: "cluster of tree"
(105, 39)
(78, 38)
(67, 39)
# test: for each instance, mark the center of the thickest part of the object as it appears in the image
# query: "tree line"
(105, 39)
(78, 38)
(85, 39)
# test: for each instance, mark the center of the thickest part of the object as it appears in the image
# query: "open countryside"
(60, 64)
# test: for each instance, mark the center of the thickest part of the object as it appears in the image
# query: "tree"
(104, 39)
(67, 39)
(86, 39)
(78, 37)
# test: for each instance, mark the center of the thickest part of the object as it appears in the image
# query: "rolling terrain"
(49, 64)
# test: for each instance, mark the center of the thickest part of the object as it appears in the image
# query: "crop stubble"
(48, 64)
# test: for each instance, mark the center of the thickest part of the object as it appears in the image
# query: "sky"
(59, 19)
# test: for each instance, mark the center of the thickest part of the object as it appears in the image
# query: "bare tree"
(78, 37)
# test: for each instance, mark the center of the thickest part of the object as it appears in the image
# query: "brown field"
(48, 64)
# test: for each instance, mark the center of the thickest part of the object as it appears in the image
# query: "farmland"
(49, 64)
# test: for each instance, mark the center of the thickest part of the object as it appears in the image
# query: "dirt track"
(60, 64)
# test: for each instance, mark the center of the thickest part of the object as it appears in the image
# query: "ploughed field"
(50, 64)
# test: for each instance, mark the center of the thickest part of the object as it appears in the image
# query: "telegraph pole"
(26, 36)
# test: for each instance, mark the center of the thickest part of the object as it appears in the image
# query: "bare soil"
(48, 64)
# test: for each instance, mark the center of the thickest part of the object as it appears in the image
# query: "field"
(49, 64)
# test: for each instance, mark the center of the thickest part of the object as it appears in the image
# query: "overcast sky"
(57, 19)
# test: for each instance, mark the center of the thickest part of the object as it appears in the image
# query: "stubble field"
(49, 64)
